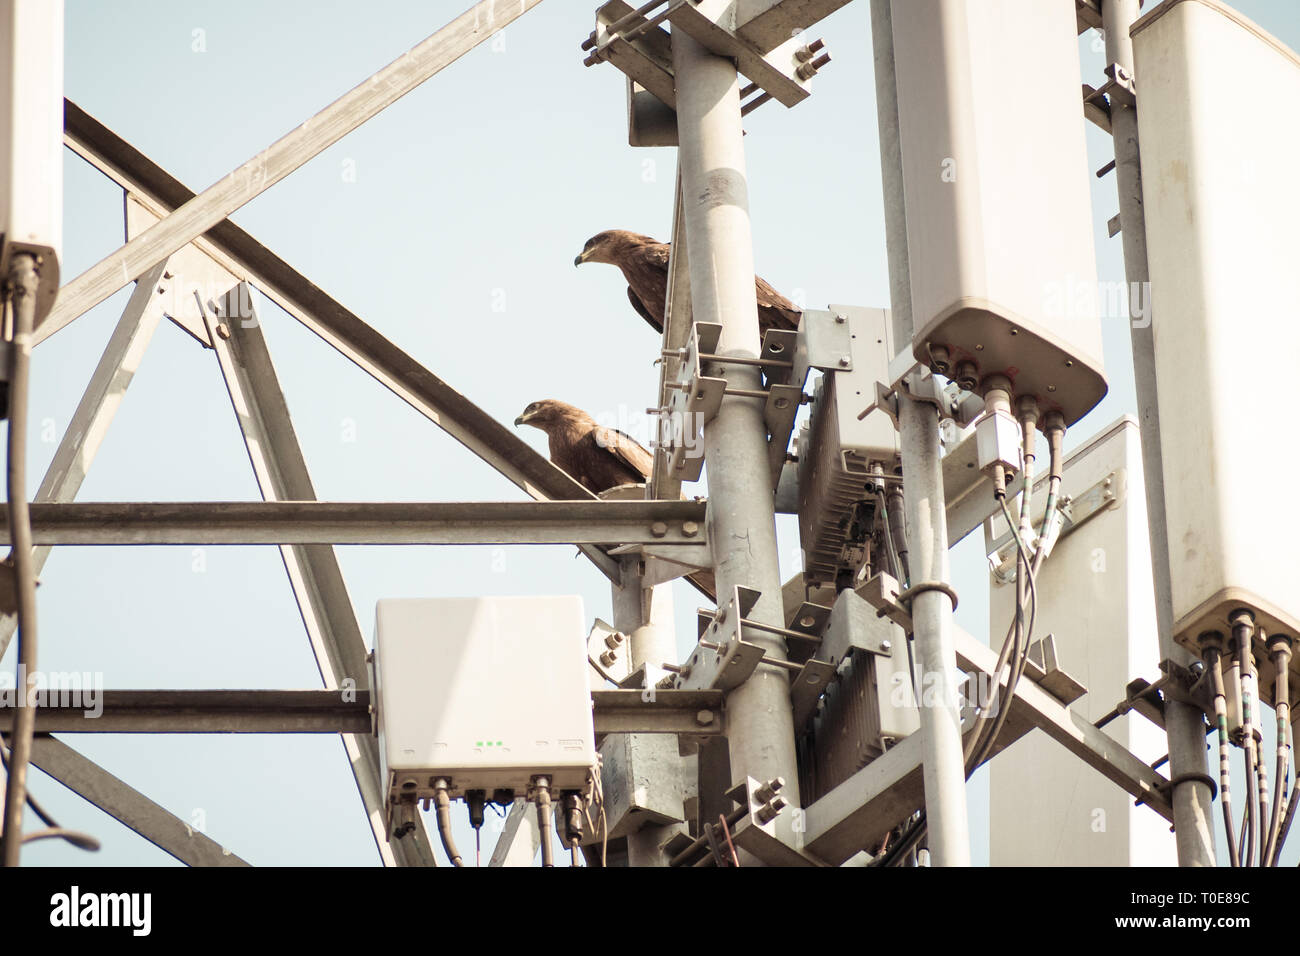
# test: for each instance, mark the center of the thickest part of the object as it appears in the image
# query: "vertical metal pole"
(1192, 799)
(927, 524)
(932, 627)
(742, 522)
(648, 613)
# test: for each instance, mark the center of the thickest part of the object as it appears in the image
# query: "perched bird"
(644, 263)
(597, 457)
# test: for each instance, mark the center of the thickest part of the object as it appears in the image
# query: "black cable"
(23, 284)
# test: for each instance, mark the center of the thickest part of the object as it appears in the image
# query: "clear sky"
(450, 223)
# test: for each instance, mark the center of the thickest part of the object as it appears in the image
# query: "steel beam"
(677, 333)
(129, 807)
(318, 586)
(85, 432)
(688, 712)
(200, 523)
(232, 248)
(883, 794)
(280, 159)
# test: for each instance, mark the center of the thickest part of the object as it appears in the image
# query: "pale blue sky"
(477, 189)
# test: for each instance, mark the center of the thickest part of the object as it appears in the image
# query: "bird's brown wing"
(625, 452)
(642, 311)
(775, 311)
(645, 266)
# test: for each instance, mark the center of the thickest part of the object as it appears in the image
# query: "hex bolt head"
(844, 361)
(223, 331)
(704, 717)
(886, 645)
(659, 529)
(690, 528)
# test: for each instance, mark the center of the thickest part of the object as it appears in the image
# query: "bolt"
(886, 645)
(844, 361)
(608, 658)
(690, 528)
(613, 640)
(704, 717)
(840, 319)
(659, 529)
(223, 331)
(765, 814)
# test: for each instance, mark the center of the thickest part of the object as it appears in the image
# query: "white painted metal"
(1095, 597)
(487, 692)
(313, 570)
(100, 402)
(999, 222)
(1223, 248)
(31, 138)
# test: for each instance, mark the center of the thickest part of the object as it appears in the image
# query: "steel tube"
(927, 542)
(936, 658)
(741, 515)
(1184, 723)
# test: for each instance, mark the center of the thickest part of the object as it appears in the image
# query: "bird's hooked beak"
(580, 258)
(522, 419)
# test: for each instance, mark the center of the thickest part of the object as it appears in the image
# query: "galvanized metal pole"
(1185, 724)
(932, 628)
(715, 203)
(646, 614)
(927, 525)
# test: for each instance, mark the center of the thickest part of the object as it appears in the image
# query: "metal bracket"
(635, 41)
(607, 651)
(695, 398)
(729, 661)
(1119, 86)
(1043, 668)
(758, 832)
(1074, 509)
(881, 592)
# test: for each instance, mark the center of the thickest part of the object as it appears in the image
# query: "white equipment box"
(486, 692)
(999, 220)
(31, 138)
(1218, 167)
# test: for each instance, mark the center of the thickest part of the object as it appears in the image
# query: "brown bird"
(644, 263)
(597, 457)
